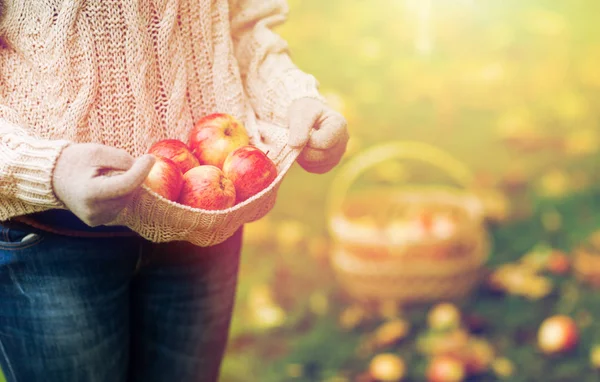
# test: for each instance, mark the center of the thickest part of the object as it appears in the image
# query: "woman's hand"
(95, 181)
(322, 132)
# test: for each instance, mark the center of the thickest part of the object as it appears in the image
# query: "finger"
(113, 158)
(316, 167)
(313, 159)
(317, 157)
(302, 121)
(107, 211)
(120, 185)
(331, 131)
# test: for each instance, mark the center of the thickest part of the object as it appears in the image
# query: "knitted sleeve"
(271, 79)
(26, 167)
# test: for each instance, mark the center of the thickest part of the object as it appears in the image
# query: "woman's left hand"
(322, 132)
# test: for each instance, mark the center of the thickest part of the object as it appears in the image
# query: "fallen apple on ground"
(445, 369)
(215, 136)
(558, 263)
(250, 170)
(177, 151)
(391, 332)
(557, 334)
(206, 187)
(444, 316)
(477, 357)
(595, 356)
(387, 367)
(165, 178)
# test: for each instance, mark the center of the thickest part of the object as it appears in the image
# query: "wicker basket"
(375, 259)
(160, 220)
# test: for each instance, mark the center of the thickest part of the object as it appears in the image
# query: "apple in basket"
(206, 187)
(250, 170)
(165, 178)
(177, 151)
(216, 135)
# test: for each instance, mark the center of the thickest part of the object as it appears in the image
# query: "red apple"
(445, 369)
(387, 367)
(177, 151)
(165, 178)
(206, 187)
(250, 170)
(557, 334)
(215, 136)
(558, 263)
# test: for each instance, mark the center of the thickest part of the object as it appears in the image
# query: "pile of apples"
(455, 353)
(216, 169)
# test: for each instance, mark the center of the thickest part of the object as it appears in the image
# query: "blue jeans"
(113, 309)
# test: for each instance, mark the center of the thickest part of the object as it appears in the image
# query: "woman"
(87, 87)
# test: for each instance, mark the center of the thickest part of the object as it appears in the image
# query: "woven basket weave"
(160, 220)
(372, 264)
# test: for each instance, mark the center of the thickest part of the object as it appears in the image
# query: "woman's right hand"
(95, 181)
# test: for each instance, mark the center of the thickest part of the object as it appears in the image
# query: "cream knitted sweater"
(127, 73)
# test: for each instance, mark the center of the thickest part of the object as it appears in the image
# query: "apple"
(557, 334)
(391, 332)
(444, 316)
(558, 263)
(165, 178)
(206, 187)
(387, 367)
(595, 356)
(445, 369)
(250, 170)
(478, 356)
(215, 136)
(503, 367)
(177, 151)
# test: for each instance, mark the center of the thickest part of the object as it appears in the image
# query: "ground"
(509, 88)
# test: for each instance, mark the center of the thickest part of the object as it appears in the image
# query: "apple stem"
(267, 152)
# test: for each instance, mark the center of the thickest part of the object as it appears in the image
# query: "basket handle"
(393, 150)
